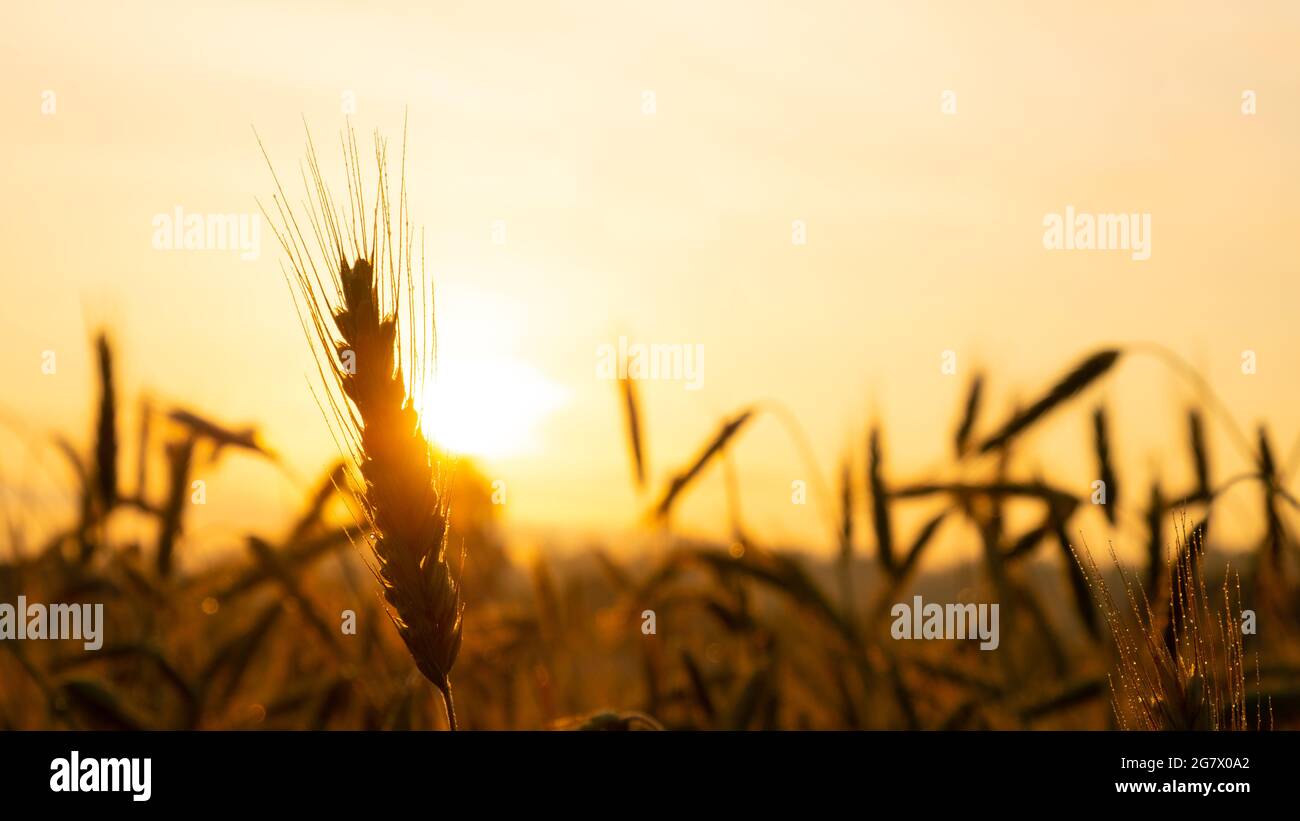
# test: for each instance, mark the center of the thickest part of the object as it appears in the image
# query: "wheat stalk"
(374, 342)
(1192, 674)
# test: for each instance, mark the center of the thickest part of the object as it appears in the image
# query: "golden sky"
(924, 228)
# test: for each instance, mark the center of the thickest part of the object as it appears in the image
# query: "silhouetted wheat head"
(365, 309)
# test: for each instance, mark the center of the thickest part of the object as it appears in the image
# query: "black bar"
(329, 770)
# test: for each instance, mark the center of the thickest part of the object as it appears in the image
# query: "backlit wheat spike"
(373, 338)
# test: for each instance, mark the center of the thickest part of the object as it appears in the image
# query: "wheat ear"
(373, 337)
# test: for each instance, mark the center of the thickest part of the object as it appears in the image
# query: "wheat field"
(395, 581)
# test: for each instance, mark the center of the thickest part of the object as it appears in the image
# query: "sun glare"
(485, 399)
(487, 407)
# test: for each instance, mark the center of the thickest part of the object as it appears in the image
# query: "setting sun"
(484, 396)
(489, 407)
